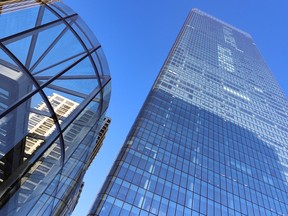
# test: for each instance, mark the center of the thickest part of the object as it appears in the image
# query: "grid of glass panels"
(211, 138)
(54, 92)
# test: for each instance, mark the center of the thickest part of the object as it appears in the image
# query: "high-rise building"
(13, 5)
(211, 137)
(100, 139)
(54, 93)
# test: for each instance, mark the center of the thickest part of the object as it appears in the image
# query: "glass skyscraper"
(54, 93)
(211, 137)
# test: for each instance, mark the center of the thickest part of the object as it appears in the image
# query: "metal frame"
(36, 79)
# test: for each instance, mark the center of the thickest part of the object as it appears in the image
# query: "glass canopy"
(54, 91)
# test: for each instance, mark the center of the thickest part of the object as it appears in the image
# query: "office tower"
(100, 139)
(13, 5)
(43, 125)
(211, 137)
(54, 92)
(96, 148)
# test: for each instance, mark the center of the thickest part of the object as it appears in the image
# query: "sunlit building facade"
(211, 137)
(54, 92)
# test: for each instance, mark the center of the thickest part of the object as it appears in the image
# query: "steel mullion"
(68, 91)
(20, 171)
(34, 38)
(58, 63)
(83, 105)
(69, 67)
(26, 33)
(50, 47)
(24, 169)
(83, 45)
(42, 86)
(76, 77)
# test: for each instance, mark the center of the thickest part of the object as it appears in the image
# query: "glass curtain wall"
(211, 138)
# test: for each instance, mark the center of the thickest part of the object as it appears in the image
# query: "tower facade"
(54, 93)
(211, 137)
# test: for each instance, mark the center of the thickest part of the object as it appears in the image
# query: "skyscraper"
(211, 137)
(49, 122)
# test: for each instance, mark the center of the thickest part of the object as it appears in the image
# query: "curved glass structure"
(54, 91)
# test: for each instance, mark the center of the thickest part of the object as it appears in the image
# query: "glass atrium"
(54, 91)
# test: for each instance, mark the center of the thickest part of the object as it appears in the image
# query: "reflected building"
(100, 139)
(96, 148)
(41, 126)
(14, 5)
(80, 154)
(49, 123)
(211, 137)
(10, 90)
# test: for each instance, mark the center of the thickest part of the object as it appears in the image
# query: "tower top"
(196, 10)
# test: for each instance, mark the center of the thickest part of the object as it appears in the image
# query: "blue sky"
(136, 37)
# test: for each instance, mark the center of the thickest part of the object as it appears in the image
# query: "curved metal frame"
(6, 187)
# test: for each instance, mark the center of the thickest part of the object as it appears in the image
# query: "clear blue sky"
(136, 37)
